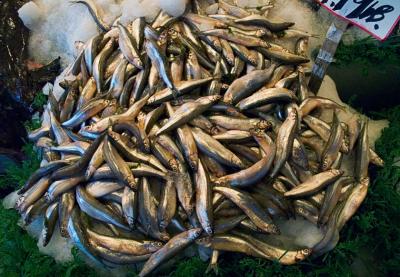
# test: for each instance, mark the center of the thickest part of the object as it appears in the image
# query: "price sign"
(377, 17)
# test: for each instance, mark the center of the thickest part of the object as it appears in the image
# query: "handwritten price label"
(377, 17)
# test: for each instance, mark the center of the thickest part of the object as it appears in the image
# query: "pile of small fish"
(193, 130)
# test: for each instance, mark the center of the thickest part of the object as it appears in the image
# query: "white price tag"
(377, 17)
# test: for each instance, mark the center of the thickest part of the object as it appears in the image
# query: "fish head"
(113, 135)
(193, 162)
(173, 34)
(302, 254)
(195, 233)
(292, 114)
(326, 163)
(164, 236)
(64, 231)
(138, 62)
(337, 172)
(146, 145)
(260, 33)
(208, 230)
(131, 182)
(214, 98)
(203, 241)
(173, 163)
(213, 130)
(264, 124)
(155, 245)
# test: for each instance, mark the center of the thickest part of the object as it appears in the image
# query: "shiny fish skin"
(225, 224)
(168, 204)
(90, 52)
(233, 136)
(312, 103)
(204, 199)
(69, 103)
(38, 133)
(99, 64)
(231, 123)
(128, 46)
(159, 60)
(101, 188)
(118, 79)
(333, 144)
(59, 187)
(188, 111)
(116, 258)
(228, 242)
(274, 253)
(33, 194)
(148, 211)
(88, 111)
(285, 138)
(182, 88)
(238, 38)
(187, 142)
(78, 235)
(282, 55)
(108, 121)
(118, 165)
(133, 154)
(88, 92)
(331, 198)
(315, 183)
(264, 22)
(65, 208)
(353, 201)
(138, 31)
(167, 143)
(50, 220)
(125, 246)
(135, 131)
(249, 207)
(172, 247)
(97, 210)
(41, 172)
(246, 85)
(233, 10)
(79, 165)
(254, 173)
(216, 150)
(95, 162)
(266, 96)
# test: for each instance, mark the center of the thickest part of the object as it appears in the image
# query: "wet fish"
(315, 183)
(170, 249)
(250, 207)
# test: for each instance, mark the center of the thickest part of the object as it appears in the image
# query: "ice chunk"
(132, 9)
(10, 199)
(48, 87)
(30, 14)
(173, 7)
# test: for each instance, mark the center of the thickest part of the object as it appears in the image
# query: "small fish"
(170, 249)
(159, 60)
(128, 47)
(250, 207)
(315, 183)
